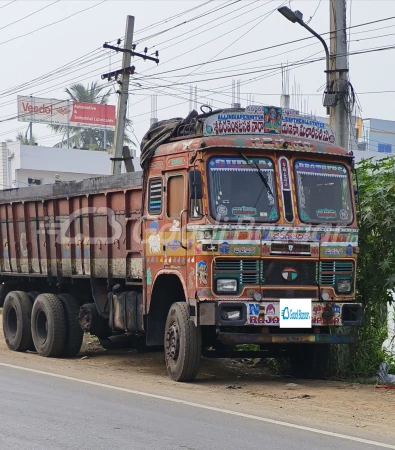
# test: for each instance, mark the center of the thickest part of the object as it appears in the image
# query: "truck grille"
(306, 272)
(247, 270)
(268, 272)
(330, 269)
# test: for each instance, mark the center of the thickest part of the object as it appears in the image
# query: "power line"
(53, 23)
(147, 38)
(205, 25)
(10, 3)
(29, 15)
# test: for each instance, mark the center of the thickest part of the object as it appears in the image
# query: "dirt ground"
(361, 410)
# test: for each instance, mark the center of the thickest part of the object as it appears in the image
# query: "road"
(40, 412)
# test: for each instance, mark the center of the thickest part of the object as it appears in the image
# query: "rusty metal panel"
(5, 253)
(207, 313)
(73, 229)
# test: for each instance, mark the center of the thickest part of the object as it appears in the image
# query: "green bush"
(376, 261)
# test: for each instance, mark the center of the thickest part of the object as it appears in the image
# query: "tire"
(91, 321)
(74, 333)
(17, 312)
(33, 295)
(183, 344)
(48, 325)
(310, 361)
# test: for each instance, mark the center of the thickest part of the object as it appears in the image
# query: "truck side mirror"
(195, 185)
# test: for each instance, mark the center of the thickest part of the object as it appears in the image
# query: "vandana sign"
(68, 113)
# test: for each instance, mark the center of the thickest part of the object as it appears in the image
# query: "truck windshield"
(238, 192)
(323, 192)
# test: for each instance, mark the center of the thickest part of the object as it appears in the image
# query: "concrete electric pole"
(123, 99)
(121, 152)
(338, 66)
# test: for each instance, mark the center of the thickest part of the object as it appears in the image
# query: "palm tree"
(23, 139)
(88, 137)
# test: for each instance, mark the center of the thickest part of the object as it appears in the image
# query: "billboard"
(67, 113)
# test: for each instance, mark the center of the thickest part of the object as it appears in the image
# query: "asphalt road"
(38, 412)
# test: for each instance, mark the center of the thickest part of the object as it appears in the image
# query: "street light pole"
(297, 17)
(336, 90)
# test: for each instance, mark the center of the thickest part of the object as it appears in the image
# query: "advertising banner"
(67, 113)
(270, 120)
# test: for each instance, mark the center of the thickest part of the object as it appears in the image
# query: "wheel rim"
(12, 322)
(42, 327)
(173, 342)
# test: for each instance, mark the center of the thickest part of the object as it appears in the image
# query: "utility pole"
(121, 152)
(123, 99)
(339, 120)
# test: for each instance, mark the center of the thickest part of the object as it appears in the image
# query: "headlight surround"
(227, 285)
(344, 286)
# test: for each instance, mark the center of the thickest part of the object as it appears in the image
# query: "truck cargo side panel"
(133, 224)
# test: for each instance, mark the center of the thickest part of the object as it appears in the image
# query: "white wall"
(18, 162)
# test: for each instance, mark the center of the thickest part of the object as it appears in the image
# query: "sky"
(45, 46)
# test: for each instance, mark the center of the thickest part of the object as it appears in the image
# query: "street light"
(297, 17)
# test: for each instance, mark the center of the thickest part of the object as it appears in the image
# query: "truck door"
(176, 216)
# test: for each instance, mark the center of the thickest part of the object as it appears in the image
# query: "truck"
(241, 229)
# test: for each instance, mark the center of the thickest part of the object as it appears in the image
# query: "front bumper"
(268, 313)
(273, 338)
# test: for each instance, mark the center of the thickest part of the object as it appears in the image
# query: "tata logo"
(289, 274)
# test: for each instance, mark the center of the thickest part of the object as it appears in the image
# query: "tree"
(89, 138)
(23, 139)
(376, 259)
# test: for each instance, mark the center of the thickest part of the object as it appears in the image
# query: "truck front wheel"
(48, 325)
(183, 344)
(17, 311)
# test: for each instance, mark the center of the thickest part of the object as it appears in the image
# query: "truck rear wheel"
(74, 333)
(17, 311)
(48, 325)
(183, 344)
(33, 295)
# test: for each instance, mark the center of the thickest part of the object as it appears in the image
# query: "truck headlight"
(231, 314)
(226, 285)
(343, 286)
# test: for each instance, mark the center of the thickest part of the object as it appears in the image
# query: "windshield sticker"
(343, 214)
(222, 210)
(263, 214)
(326, 214)
(244, 211)
(311, 168)
(272, 119)
(239, 164)
(273, 214)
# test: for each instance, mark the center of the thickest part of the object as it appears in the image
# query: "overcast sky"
(237, 27)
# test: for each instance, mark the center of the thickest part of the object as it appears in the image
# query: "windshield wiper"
(261, 176)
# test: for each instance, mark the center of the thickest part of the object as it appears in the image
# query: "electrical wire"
(53, 23)
(205, 25)
(10, 3)
(30, 15)
(147, 38)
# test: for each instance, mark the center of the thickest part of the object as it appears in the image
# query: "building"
(377, 135)
(27, 165)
